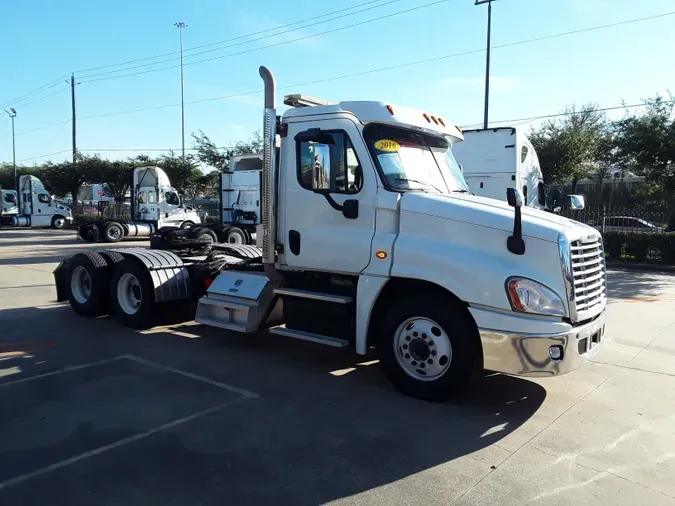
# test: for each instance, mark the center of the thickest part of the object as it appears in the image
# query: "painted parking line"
(131, 439)
(241, 393)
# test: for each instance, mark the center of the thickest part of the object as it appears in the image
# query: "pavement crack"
(606, 471)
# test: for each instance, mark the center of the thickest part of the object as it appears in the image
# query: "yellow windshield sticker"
(387, 145)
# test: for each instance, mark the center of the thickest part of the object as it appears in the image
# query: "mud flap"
(60, 280)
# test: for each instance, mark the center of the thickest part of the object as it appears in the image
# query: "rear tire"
(235, 235)
(87, 283)
(132, 295)
(113, 232)
(203, 234)
(428, 349)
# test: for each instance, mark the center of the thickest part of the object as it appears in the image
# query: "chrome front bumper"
(526, 354)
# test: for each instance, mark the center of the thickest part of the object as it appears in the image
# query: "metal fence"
(622, 220)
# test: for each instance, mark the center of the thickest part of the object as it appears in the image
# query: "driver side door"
(318, 179)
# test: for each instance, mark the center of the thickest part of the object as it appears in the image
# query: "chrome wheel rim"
(114, 232)
(422, 348)
(59, 222)
(129, 293)
(80, 284)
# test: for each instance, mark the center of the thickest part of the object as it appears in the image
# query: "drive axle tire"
(203, 234)
(236, 235)
(428, 347)
(87, 283)
(113, 232)
(132, 294)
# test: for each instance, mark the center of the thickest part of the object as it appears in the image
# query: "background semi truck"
(33, 206)
(495, 159)
(154, 204)
(401, 259)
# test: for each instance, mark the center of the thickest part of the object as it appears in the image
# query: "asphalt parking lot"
(94, 413)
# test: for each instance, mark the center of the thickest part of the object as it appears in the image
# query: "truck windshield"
(414, 161)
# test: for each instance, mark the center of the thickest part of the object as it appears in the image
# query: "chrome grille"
(588, 275)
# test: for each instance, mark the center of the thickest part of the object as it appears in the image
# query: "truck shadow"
(326, 425)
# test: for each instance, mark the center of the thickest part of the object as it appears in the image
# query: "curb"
(639, 266)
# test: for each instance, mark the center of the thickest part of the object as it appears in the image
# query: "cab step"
(309, 336)
(306, 294)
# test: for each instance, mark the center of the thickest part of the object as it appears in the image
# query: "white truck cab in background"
(495, 159)
(33, 206)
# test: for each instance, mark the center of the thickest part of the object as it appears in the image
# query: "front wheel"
(58, 222)
(186, 224)
(428, 347)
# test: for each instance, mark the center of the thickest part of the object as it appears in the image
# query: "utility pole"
(487, 60)
(180, 25)
(72, 97)
(12, 115)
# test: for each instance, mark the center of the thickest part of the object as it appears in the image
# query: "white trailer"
(154, 204)
(33, 206)
(400, 257)
(495, 159)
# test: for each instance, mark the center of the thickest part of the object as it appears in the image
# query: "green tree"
(7, 174)
(67, 177)
(567, 147)
(219, 158)
(646, 146)
(183, 172)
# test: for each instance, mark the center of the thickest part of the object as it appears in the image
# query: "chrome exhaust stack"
(268, 192)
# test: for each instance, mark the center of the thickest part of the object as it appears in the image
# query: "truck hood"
(490, 213)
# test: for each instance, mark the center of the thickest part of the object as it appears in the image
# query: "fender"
(167, 271)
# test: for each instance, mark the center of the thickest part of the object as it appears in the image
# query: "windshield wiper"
(417, 181)
(463, 191)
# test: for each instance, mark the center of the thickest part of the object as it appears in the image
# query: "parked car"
(627, 224)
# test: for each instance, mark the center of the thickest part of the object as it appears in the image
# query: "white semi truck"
(34, 208)
(495, 159)
(401, 257)
(154, 204)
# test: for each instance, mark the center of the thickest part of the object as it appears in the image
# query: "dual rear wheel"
(107, 282)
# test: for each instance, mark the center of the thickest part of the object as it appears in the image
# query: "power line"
(245, 41)
(519, 121)
(366, 72)
(23, 106)
(43, 127)
(42, 156)
(16, 101)
(333, 30)
(233, 38)
(391, 67)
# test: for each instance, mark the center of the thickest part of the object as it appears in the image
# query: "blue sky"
(43, 40)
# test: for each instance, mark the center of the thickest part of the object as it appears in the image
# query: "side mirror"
(514, 197)
(320, 154)
(577, 202)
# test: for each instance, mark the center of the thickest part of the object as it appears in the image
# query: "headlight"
(528, 296)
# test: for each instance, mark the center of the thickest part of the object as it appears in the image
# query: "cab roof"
(381, 112)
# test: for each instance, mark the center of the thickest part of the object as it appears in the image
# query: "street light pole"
(487, 60)
(12, 114)
(180, 25)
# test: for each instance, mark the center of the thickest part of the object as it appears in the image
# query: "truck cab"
(156, 201)
(371, 236)
(33, 206)
(495, 159)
